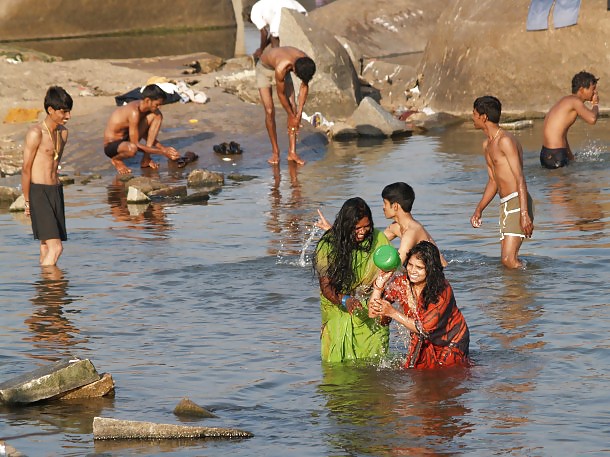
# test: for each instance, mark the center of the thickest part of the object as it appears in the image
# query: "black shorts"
(112, 149)
(553, 158)
(47, 212)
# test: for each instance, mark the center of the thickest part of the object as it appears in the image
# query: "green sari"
(346, 336)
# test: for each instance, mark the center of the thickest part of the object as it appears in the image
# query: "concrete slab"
(48, 381)
(112, 429)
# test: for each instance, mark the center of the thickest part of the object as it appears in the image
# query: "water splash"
(306, 252)
(593, 151)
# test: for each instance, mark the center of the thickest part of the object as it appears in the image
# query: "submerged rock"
(186, 407)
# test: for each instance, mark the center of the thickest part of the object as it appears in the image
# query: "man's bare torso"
(557, 122)
(118, 124)
(498, 163)
(44, 165)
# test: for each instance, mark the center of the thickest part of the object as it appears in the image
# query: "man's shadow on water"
(52, 330)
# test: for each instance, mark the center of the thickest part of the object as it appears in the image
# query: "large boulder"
(482, 48)
(385, 40)
(335, 89)
(370, 119)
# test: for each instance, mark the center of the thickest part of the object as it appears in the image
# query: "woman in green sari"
(344, 265)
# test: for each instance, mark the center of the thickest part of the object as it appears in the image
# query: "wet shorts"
(265, 76)
(553, 158)
(112, 149)
(47, 212)
(510, 215)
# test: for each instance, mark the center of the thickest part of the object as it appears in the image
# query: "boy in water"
(556, 151)
(135, 121)
(42, 190)
(504, 157)
(398, 201)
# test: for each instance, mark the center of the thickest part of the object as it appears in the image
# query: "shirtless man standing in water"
(42, 190)
(130, 123)
(556, 151)
(278, 63)
(504, 157)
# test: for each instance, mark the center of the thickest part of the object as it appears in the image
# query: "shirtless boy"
(135, 121)
(504, 157)
(398, 201)
(556, 151)
(42, 190)
(278, 63)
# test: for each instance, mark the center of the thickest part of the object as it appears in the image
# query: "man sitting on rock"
(135, 121)
(278, 63)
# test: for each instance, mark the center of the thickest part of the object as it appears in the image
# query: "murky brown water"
(216, 302)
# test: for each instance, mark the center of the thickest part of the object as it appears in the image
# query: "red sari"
(442, 336)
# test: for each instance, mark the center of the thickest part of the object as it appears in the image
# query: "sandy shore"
(93, 85)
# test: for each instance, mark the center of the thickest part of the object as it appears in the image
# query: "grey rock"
(110, 429)
(169, 192)
(370, 119)
(342, 131)
(48, 381)
(146, 185)
(196, 197)
(188, 408)
(202, 177)
(18, 205)
(135, 195)
(241, 84)
(8, 195)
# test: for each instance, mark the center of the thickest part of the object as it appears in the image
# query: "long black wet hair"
(341, 238)
(428, 253)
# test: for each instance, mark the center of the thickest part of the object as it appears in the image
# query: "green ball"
(386, 258)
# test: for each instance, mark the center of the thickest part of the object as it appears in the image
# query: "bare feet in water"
(274, 160)
(149, 163)
(296, 159)
(120, 167)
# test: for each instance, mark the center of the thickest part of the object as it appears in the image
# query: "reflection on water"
(285, 218)
(214, 302)
(50, 324)
(140, 216)
(402, 412)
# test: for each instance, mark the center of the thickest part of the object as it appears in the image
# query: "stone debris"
(113, 429)
(48, 381)
(189, 408)
(96, 389)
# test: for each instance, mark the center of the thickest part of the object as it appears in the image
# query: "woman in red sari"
(439, 334)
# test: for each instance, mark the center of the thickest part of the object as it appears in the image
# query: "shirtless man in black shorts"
(42, 190)
(556, 151)
(135, 121)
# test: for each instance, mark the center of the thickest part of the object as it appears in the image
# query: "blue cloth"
(538, 15)
(565, 13)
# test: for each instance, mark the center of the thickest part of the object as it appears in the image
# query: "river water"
(217, 303)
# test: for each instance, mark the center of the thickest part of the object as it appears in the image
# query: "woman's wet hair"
(583, 79)
(341, 238)
(304, 68)
(154, 92)
(57, 98)
(490, 106)
(429, 254)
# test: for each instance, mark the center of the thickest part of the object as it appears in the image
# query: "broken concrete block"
(112, 429)
(48, 381)
(186, 407)
(96, 389)
(135, 195)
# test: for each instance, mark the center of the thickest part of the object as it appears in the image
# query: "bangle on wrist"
(344, 301)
